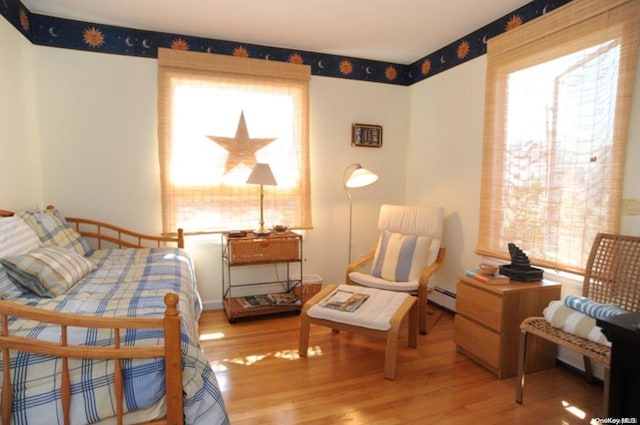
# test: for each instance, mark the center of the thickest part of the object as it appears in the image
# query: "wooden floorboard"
(264, 381)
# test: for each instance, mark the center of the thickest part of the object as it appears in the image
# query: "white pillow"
(400, 258)
(16, 238)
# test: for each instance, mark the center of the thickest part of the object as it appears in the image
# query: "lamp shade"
(360, 177)
(262, 174)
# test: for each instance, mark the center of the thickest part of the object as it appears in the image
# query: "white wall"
(19, 152)
(98, 137)
(444, 158)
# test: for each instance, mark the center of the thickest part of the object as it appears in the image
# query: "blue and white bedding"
(125, 283)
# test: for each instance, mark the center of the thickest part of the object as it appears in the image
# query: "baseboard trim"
(595, 379)
(212, 305)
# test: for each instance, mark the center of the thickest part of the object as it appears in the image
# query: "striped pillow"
(15, 238)
(47, 271)
(52, 229)
(400, 258)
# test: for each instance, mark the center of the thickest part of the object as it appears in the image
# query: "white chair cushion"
(375, 313)
(370, 281)
(400, 258)
(414, 220)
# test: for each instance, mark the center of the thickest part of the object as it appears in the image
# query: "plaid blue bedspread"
(127, 283)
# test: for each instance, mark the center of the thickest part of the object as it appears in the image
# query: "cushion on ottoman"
(375, 313)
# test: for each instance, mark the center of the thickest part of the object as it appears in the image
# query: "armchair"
(406, 256)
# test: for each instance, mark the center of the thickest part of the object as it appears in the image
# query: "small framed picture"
(366, 135)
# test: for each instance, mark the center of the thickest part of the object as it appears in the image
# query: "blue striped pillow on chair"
(400, 258)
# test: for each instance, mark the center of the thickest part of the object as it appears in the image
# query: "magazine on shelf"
(344, 301)
(255, 301)
(268, 300)
(285, 298)
(494, 279)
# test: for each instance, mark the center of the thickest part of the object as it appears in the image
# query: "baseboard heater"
(443, 298)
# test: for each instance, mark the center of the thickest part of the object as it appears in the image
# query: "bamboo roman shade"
(217, 117)
(557, 106)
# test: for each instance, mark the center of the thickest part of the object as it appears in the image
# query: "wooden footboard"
(170, 351)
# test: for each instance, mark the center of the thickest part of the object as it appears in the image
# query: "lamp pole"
(354, 177)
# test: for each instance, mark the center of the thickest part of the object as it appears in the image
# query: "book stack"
(491, 279)
(344, 301)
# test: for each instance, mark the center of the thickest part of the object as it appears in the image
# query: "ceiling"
(398, 31)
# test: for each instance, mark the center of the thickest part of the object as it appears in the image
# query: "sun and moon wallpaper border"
(95, 37)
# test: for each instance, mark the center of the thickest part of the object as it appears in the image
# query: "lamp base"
(261, 231)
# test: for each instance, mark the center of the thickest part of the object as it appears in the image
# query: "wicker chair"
(612, 276)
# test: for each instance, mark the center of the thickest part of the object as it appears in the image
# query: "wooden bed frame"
(171, 351)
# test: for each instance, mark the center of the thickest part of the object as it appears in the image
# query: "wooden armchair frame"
(426, 316)
(612, 276)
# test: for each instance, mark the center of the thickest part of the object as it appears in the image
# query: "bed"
(115, 340)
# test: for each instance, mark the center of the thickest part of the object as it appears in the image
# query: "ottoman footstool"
(379, 316)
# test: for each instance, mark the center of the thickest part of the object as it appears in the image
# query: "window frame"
(286, 200)
(567, 29)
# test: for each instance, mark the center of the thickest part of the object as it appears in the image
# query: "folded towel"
(592, 308)
(574, 322)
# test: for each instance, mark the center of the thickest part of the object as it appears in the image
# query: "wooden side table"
(257, 250)
(487, 323)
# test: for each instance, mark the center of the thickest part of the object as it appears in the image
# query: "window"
(557, 111)
(218, 117)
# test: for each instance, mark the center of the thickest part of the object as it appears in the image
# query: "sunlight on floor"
(287, 355)
(575, 411)
(219, 365)
(211, 336)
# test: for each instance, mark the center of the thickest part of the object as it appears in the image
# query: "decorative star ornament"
(242, 148)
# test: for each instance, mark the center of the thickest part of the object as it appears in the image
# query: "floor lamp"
(355, 176)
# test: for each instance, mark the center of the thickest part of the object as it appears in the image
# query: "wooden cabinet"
(487, 323)
(259, 250)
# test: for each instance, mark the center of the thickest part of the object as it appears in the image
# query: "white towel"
(574, 322)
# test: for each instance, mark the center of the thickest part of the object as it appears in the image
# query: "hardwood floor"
(265, 382)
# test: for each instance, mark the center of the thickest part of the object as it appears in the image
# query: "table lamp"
(262, 175)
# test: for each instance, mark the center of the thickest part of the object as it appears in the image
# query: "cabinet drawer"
(267, 250)
(481, 306)
(478, 341)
